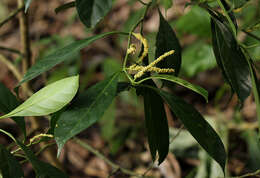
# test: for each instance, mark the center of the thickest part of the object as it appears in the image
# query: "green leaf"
(27, 4)
(49, 99)
(197, 126)
(60, 56)
(9, 166)
(87, 109)
(92, 11)
(183, 83)
(156, 123)
(42, 169)
(231, 59)
(255, 85)
(7, 103)
(65, 6)
(166, 40)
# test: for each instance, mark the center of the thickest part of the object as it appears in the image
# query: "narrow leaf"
(183, 83)
(231, 59)
(167, 40)
(27, 4)
(92, 11)
(42, 169)
(87, 109)
(197, 126)
(49, 99)
(156, 123)
(9, 166)
(60, 56)
(65, 6)
(255, 85)
(7, 103)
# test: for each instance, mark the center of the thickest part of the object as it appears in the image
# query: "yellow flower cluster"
(132, 49)
(145, 44)
(151, 67)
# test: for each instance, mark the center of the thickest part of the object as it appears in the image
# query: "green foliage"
(9, 102)
(49, 99)
(156, 123)
(9, 166)
(231, 59)
(92, 11)
(42, 169)
(167, 40)
(197, 126)
(89, 106)
(87, 109)
(183, 83)
(60, 56)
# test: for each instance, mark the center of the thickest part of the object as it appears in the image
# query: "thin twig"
(251, 35)
(101, 156)
(11, 67)
(142, 2)
(256, 173)
(40, 151)
(178, 133)
(16, 73)
(10, 50)
(25, 40)
(11, 16)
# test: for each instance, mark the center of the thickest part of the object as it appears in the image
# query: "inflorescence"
(139, 70)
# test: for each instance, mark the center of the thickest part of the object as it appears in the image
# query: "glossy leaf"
(7, 103)
(92, 11)
(183, 83)
(65, 6)
(197, 126)
(27, 4)
(60, 56)
(87, 109)
(42, 169)
(156, 123)
(231, 59)
(9, 166)
(49, 99)
(166, 40)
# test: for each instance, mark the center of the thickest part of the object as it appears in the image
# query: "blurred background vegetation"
(120, 135)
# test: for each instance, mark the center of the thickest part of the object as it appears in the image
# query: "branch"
(11, 50)
(12, 15)
(101, 156)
